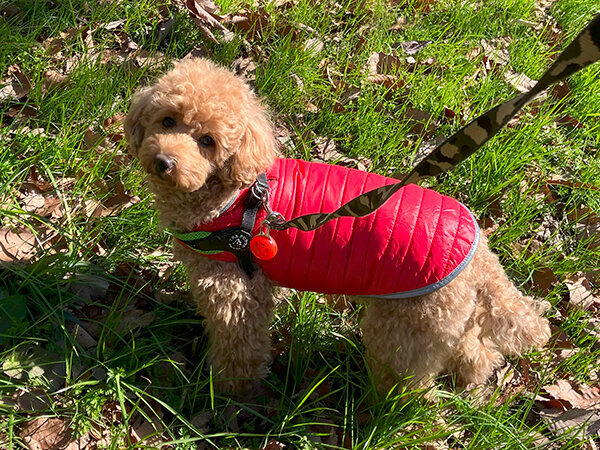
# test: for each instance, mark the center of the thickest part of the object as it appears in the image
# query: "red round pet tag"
(263, 247)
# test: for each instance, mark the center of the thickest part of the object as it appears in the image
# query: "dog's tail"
(514, 322)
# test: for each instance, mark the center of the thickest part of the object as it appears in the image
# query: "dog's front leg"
(237, 312)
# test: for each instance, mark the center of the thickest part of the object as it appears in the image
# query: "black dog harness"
(235, 240)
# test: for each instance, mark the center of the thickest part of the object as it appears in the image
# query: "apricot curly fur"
(466, 328)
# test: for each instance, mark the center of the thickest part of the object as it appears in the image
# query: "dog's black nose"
(163, 163)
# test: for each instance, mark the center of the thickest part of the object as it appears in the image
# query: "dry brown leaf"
(203, 13)
(31, 400)
(570, 121)
(147, 427)
(560, 91)
(164, 29)
(91, 139)
(543, 194)
(421, 121)
(32, 203)
(577, 396)
(23, 81)
(116, 204)
(544, 280)
(313, 46)
(575, 422)
(389, 81)
(245, 68)
(199, 51)
(83, 442)
(495, 52)
(18, 113)
(254, 23)
(519, 81)
(382, 63)
(17, 245)
(580, 292)
(53, 79)
(587, 226)
(83, 337)
(112, 412)
(449, 113)
(202, 420)
(46, 433)
(10, 11)
(509, 382)
(114, 25)
(114, 122)
(559, 339)
(325, 150)
(146, 59)
(37, 181)
(17, 86)
(583, 214)
(54, 45)
(558, 180)
(133, 319)
(350, 94)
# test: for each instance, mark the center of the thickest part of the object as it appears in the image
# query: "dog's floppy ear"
(257, 151)
(135, 122)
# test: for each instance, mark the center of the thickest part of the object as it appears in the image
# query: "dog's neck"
(183, 210)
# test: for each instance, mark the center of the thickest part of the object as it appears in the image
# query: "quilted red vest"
(414, 244)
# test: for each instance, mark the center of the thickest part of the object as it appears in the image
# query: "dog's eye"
(206, 141)
(168, 122)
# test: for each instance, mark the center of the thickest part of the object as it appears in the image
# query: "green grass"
(107, 274)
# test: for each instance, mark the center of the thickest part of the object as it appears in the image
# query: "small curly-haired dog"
(203, 136)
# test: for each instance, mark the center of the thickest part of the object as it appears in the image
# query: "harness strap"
(253, 202)
(583, 51)
(235, 240)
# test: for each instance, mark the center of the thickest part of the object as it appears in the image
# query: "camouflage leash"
(583, 51)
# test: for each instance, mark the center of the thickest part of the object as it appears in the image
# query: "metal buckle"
(273, 219)
(259, 189)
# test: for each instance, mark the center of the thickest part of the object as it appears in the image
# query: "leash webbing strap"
(583, 51)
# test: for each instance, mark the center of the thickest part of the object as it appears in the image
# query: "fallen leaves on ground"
(581, 294)
(16, 86)
(17, 245)
(46, 434)
(574, 395)
(147, 427)
(571, 408)
(204, 14)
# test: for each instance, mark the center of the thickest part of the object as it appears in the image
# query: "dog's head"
(199, 121)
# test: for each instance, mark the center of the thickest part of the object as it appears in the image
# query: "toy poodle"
(436, 299)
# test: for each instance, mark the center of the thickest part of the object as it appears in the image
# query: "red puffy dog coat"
(417, 242)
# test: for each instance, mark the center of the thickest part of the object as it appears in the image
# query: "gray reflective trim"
(229, 203)
(444, 281)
